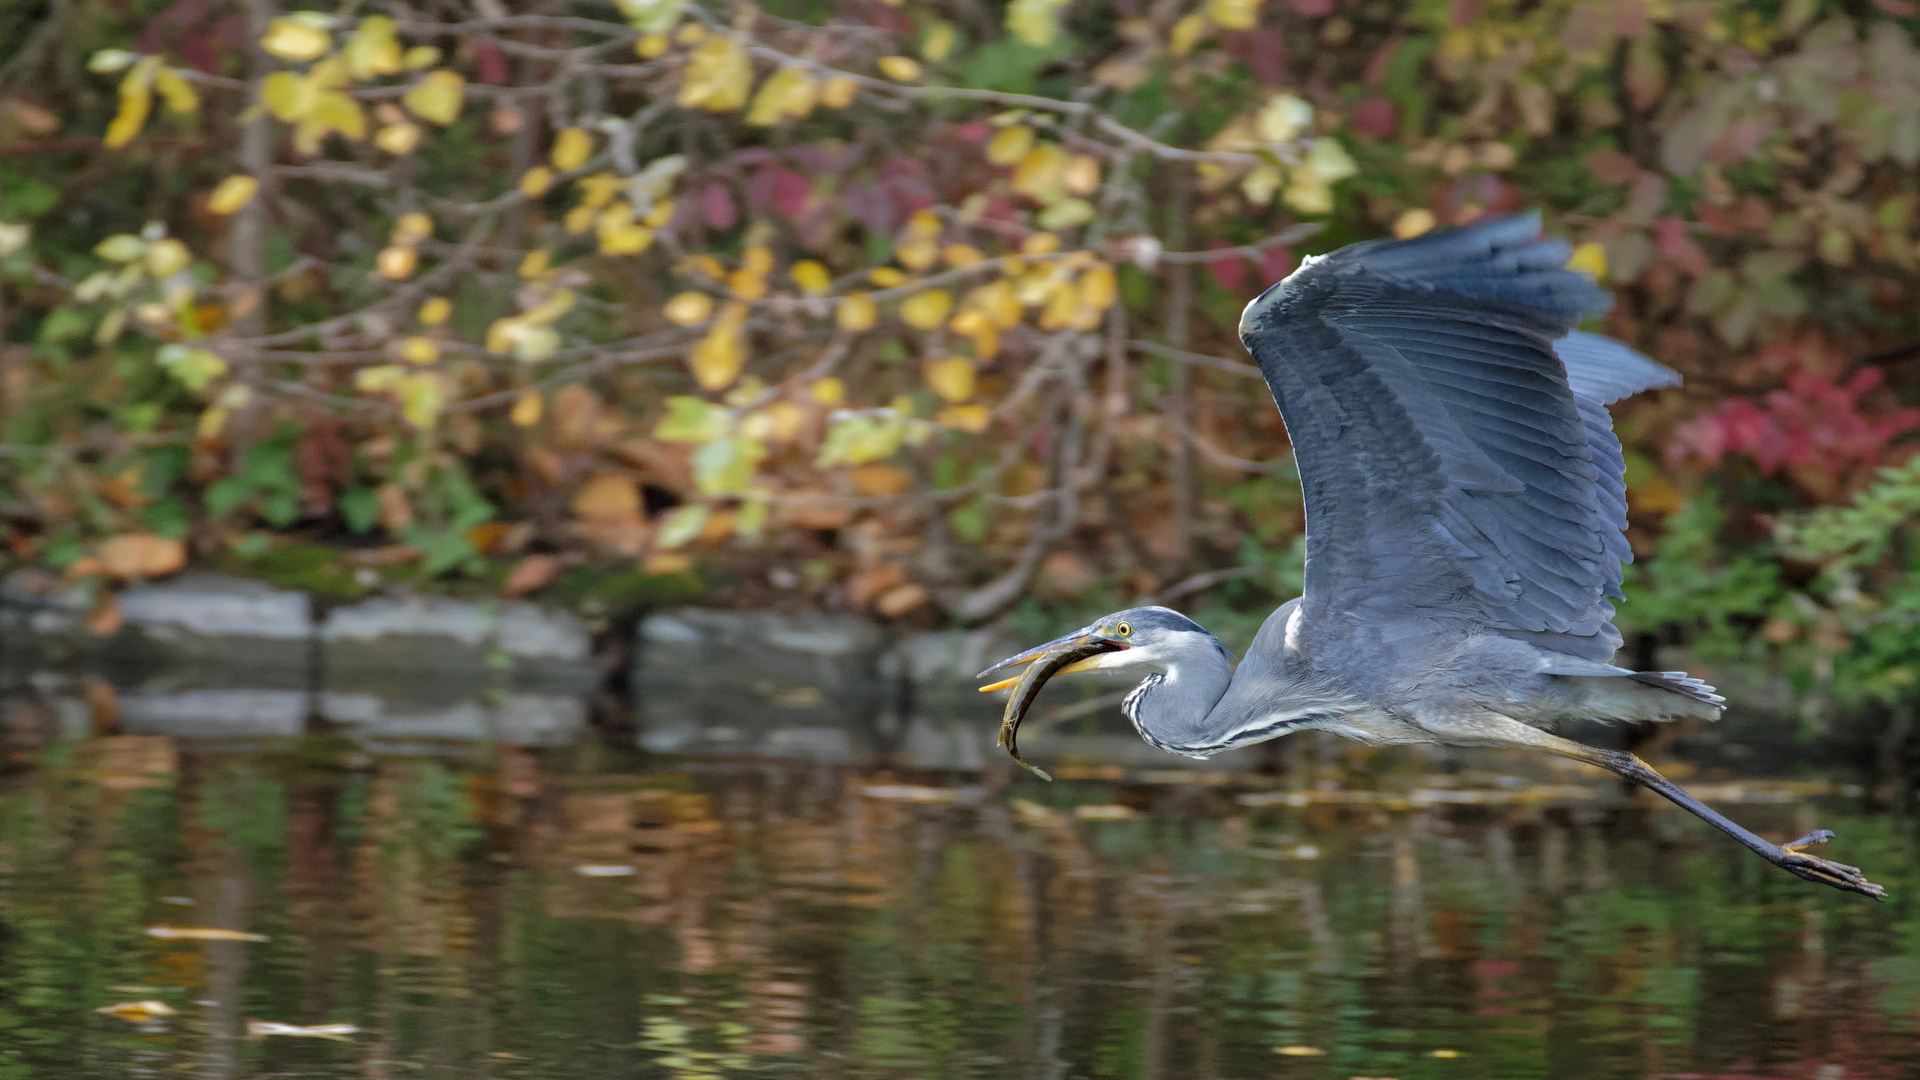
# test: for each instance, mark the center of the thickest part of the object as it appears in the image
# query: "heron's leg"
(1496, 730)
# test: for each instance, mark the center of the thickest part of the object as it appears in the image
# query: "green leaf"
(682, 525)
(693, 420)
(360, 508)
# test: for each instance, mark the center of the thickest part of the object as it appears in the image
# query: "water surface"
(585, 911)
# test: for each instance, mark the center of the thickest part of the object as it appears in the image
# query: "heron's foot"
(1794, 860)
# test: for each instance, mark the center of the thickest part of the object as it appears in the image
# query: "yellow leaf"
(952, 378)
(437, 97)
(899, 68)
(651, 46)
(828, 391)
(886, 277)
(1413, 223)
(689, 308)
(378, 379)
(1082, 174)
(838, 92)
(1099, 288)
(179, 93)
(746, 284)
(791, 91)
(232, 193)
(411, 228)
(719, 75)
(396, 263)
(1041, 173)
(958, 255)
(1010, 144)
(535, 264)
(757, 260)
(419, 350)
(785, 421)
(926, 310)
(435, 311)
(1589, 259)
(290, 39)
(335, 111)
(287, 96)
(1035, 22)
(717, 360)
(1328, 161)
(578, 220)
(598, 190)
(969, 418)
(136, 101)
(1186, 33)
(165, 258)
(1065, 214)
(527, 409)
(608, 496)
(422, 396)
(1235, 14)
(1042, 243)
(623, 238)
(535, 181)
(690, 35)
(1282, 118)
(918, 253)
(571, 149)
(420, 56)
(881, 480)
(856, 311)
(812, 276)
(374, 48)
(939, 42)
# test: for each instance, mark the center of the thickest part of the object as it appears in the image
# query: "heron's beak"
(1077, 640)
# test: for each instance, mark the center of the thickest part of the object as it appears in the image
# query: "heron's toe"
(1826, 872)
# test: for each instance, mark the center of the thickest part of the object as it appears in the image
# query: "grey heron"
(1466, 515)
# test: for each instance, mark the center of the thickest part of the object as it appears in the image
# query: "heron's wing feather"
(1448, 466)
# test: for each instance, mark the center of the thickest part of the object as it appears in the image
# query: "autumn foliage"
(909, 307)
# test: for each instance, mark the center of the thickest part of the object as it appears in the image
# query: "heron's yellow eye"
(1124, 629)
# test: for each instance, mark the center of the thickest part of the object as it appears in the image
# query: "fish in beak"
(1078, 651)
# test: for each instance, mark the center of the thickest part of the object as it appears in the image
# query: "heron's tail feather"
(1681, 683)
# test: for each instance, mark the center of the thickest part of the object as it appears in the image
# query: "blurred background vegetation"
(926, 308)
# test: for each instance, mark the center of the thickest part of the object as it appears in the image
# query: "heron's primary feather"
(1453, 443)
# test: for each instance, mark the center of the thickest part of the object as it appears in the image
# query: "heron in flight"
(1466, 516)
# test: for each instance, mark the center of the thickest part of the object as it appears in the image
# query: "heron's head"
(1144, 638)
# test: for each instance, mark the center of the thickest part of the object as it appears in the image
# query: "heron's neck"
(1170, 707)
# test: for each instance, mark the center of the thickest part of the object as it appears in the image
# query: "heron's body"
(1466, 517)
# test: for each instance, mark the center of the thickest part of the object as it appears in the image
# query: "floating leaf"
(232, 193)
(437, 97)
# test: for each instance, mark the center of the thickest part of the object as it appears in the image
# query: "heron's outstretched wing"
(1450, 469)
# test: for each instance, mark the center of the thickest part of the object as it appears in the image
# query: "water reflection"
(578, 910)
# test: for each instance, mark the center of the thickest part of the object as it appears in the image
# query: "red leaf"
(1277, 263)
(716, 206)
(1313, 9)
(489, 62)
(1377, 117)
(1230, 272)
(1670, 237)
